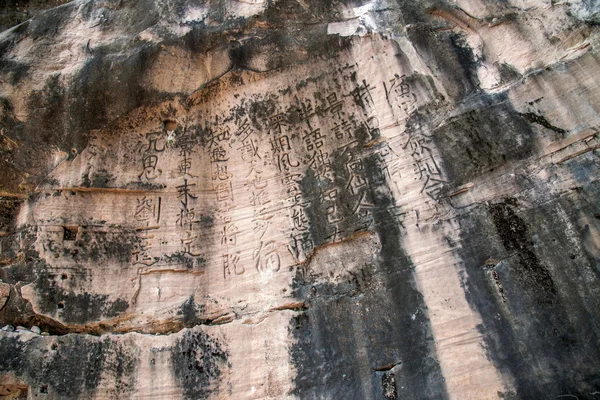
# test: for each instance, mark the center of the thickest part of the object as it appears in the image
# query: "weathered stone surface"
(300, 199)
(4, 293)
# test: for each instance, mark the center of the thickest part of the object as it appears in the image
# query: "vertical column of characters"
(319, 161)
(385, 157)
(147, 219)
(217, 145)
(357, 188)
(187, 219)
(403, 100)
(288, 166)
(388, 162)
(265, 256)
(344, 130)
(147, 211)
(425, 165)
(420, 145)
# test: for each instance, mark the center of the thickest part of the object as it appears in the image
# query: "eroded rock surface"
(300, 199)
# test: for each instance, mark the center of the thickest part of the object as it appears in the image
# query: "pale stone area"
(232, 234)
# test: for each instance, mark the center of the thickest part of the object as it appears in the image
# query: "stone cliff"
(269, 199)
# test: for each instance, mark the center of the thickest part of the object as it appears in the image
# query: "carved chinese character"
(146, 208)
(224, 136)
(218, 154)
(398, 92)
(231, 261)
(397, 87)
(224, 191)
(220, 172)
(260, 224)
(305, 111)
(335, 105)
(285, 162)
(320, 163)
(301, 245)
(229, 235)
(259, 198)
(213, 140)
(141, 250)
(149, 162)
(371, 125)
(149, 158)
(249, 150)
(433, 188)
(276, 123)
(313, 140)
(329, 198)
(189, 243)
(362, 96)
(244, 130)
(292, 184)
(280, 144)
(356, 182)
(299, 219)
(187, 217)
(426, 167)
(184, 193)
(185, 144)
(266, 257)
(153, 146)
(345, 129)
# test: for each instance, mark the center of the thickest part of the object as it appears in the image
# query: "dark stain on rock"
(8, 211)
(13, 70)
(516, 238)
(49, 23)
(198, 361)
(190, 312)
(79, 308)
(239, 55)
(72, 367)
(466, 59)
(98, 179)
(71, 354)
(11, 355)
(15, 12)
(22, 257)
(449, 58)
(482, 139)
(102, 93)
(541, 120)
(508, 73)
(100, 245)
(542, 330)
(350, 329)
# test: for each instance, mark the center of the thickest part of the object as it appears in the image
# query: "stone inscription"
(304, 180)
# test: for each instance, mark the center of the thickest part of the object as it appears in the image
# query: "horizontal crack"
(387, 367)
(296, 306)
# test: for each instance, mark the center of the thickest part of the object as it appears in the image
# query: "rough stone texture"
(300, 199)
(4, 294)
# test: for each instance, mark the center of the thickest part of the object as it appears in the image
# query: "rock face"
(300, 199)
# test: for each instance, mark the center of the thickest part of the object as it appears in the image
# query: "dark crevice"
(541, 120)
